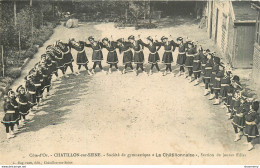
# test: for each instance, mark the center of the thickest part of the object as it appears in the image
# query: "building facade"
(256, 57)
(231, 24)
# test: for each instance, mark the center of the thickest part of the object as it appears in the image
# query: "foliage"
(13, 72)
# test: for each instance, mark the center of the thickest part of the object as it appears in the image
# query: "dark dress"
(37, 80)
(49, 72)
(197, 63)
(203, 59)
(215, 70)
(97, 54)
(112, 57)
(189, 57)
(125, 48)
(23, 104)
(68, 58)
(230, 92)
(217, 81)
(208, 69)
(153, 56)
(45, 75)
(239, 115)
(31, 93)
(60, 59)
(251, 121)
(52, 63)
(168, 49)
(225, 86)
(182, 54)
(235, 104)
(81, 55)
(138, 52)
(10, 116)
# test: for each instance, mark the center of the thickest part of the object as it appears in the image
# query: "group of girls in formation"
(206, 67)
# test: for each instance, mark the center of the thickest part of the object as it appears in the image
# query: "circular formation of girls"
(204, 65)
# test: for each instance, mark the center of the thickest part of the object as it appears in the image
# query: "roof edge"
(255, 5)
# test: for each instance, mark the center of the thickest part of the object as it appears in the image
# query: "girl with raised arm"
(112, 58)
(97, 55)
(153, 58)
(138, 52)
(125, 48)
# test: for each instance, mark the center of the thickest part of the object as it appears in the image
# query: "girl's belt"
(138, 51)
(22, 103)
(250, 123)
(196, 60)
(190, 55)
(10, 111)
(127, 50)
(181, 52)
(224, 84)
(167, 50)
(208, 68)
(153, 53)
(81, 51)
(239, 115)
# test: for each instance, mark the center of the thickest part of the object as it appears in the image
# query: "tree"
(140, 8)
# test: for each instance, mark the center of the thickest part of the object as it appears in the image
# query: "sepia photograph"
(130, 82)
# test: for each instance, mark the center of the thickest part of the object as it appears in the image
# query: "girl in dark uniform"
(225, 86)
(23, 103)
(235, 87)
(31, 91)
(112, 58)
(217, 84)
(97, 55)
(169, 47)
(37, 80)
(10, 117)
(49, 74)
(14, 103)
(81, 55)
(138, 53)
(59, 56)
(251, 121)
(239, 117)
(190, 52)
(46, 75)
(53, 65)
(203, 59)
(197, 65)
(125, 48)
(215, 70)
(153, 58)
(208, 71)
(68, 59)
(181, 55)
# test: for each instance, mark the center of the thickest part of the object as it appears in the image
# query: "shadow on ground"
(66, 93)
